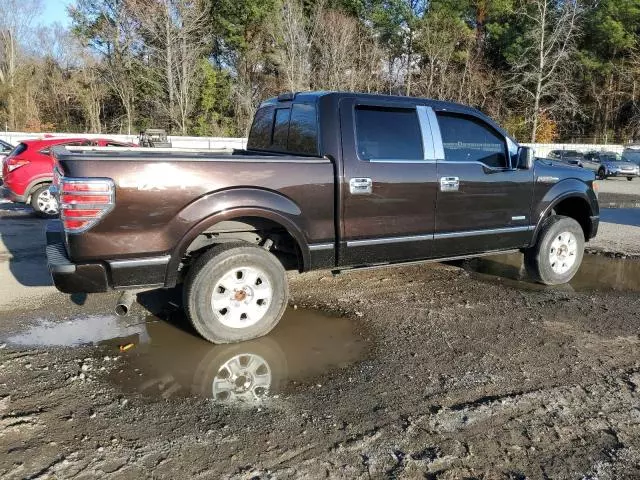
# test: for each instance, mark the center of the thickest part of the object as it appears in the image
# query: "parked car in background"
(611, 164)
(28, 171)
(632, 154)
(5, 149)
(571, 157)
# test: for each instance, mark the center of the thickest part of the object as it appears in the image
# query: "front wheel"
(44, 203)
(235, 292)
(602, 174)
(629, 178)
(557, 255)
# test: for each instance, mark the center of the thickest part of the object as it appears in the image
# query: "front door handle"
(360, 186)
(449, 184)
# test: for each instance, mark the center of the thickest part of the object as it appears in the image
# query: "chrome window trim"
(438, 147)
(425, 129)
(438, 236)
(320, 246)
(390, 160)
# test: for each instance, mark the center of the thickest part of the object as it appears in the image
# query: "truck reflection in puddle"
(597, 273)
(168, 360)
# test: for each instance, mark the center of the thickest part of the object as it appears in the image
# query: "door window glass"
(388, 134)
(467, 139)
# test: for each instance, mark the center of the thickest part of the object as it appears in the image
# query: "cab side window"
(388, 133)
(467, 139)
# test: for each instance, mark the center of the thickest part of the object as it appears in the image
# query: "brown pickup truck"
(328, 181)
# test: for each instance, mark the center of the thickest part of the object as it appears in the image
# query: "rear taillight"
(83, 201)
(15, 162)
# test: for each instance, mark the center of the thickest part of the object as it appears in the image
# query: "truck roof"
(314, 96)
(334, 97)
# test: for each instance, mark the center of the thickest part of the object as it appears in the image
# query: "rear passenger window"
(466, 139)
(303, 132)
(280, 129)
(260, 135)
(287, 130)
(388, 134)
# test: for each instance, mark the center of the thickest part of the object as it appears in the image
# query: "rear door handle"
(360, 186)
(449, 184)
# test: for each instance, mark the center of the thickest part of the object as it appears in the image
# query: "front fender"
(230, 204)
(569, 188)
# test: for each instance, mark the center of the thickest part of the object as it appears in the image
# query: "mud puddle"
(166, 359)
(597, 273)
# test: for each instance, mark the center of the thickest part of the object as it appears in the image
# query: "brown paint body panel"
(160, 201)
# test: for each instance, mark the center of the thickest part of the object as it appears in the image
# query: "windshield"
(631, 156)
(612, 157)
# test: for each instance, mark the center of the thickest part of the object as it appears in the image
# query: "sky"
(55, 11)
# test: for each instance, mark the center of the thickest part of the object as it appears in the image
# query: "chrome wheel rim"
(241, 297)
(563, 252)
(47, 203)
(243, 378)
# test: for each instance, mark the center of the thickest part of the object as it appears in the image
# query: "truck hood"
(560, 170)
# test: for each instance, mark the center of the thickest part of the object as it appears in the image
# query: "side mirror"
(526, 157)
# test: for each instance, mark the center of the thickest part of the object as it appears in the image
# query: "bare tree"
(294, 34)
(345, 57)
(543, 69)
(16, 22)
(177, 34)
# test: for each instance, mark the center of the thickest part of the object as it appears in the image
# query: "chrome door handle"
(449, 184)
(360, 186)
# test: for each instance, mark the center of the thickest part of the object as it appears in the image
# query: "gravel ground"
(432, 371)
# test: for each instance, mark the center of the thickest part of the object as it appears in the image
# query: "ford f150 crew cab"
(328, 181)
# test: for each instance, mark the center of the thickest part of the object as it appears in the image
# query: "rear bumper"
(69, 277)
(98, 276)
(6, 192)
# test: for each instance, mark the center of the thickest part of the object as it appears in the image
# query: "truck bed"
(160, 196)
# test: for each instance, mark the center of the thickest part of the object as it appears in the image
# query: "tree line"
(548, 70)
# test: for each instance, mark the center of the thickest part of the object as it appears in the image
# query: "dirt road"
(434, 371)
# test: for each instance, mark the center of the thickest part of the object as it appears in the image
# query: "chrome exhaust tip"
(123, 305)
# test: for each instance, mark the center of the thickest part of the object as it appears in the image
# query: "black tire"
(602, 174)
(36, 204)
(537, 258)
(210, 268)
(629, 178)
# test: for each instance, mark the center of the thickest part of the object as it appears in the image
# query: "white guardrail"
(176, 141)
(542, 149)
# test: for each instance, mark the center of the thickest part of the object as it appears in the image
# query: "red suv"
(28, 171)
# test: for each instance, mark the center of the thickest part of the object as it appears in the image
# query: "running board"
(340, 271)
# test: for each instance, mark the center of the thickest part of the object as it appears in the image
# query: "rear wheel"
(602, 174)
(629, 178)
(44, 203)
(558, 253)
(235, 292)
